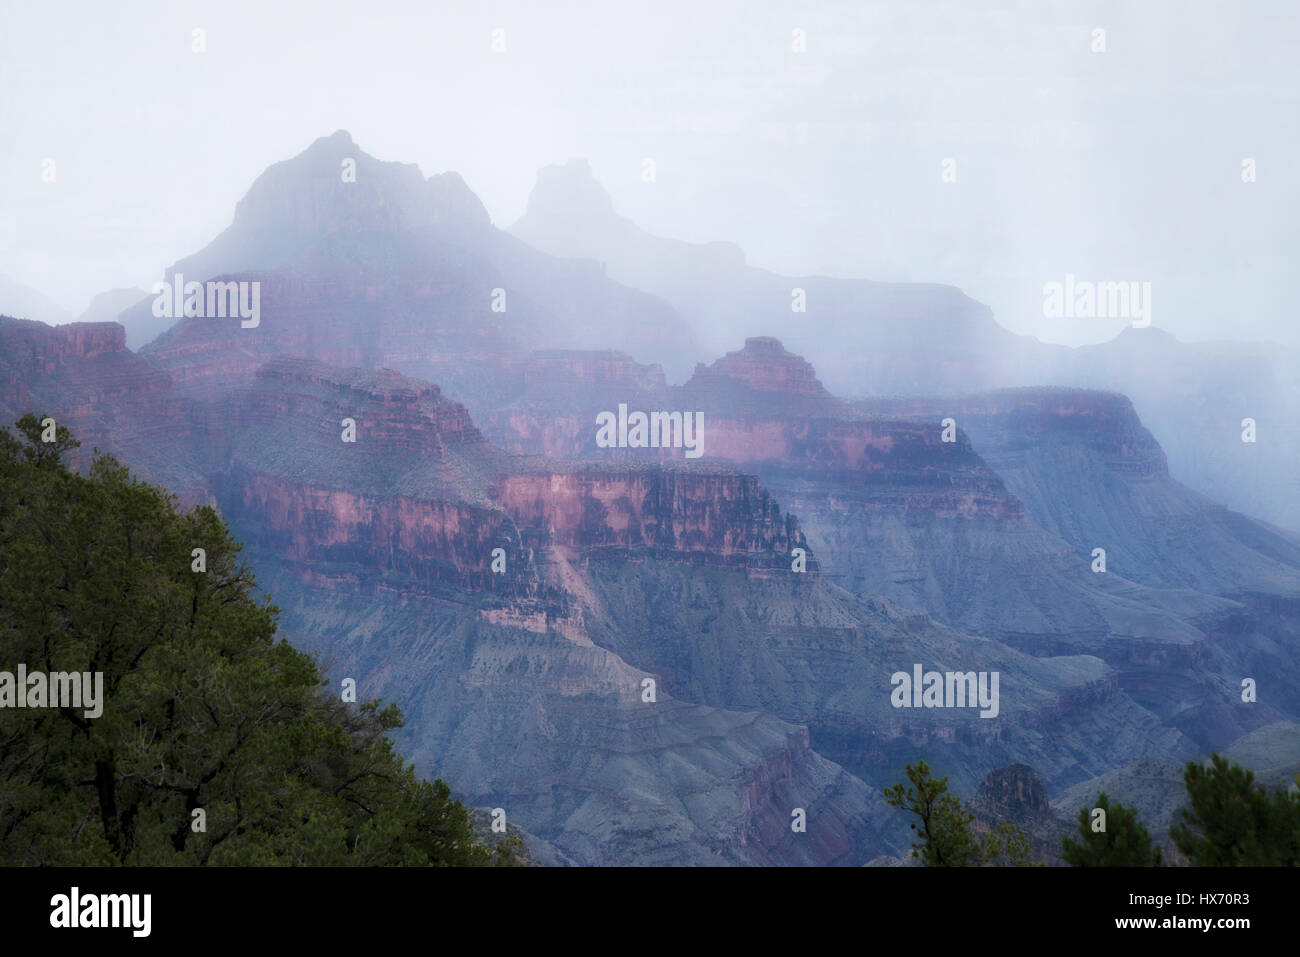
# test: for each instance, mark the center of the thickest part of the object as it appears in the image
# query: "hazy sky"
(1122, 165)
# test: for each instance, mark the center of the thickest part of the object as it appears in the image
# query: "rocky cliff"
(379, 553)
(892, 509)
(1017, 795)
(83, 375)
(719, 516)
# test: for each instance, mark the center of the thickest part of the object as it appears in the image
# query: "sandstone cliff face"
(413, 441)
(892, 508)
(84, 340)
(764, 409)
(329, 313)
(426, 542)
(420, 492)
(578, 526)
(903, 464)
(83, 376)
(715, 517)
(33, 351)
(897, 466)
(723, 520)
(885, 457)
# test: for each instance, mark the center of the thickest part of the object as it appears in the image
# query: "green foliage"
(946, 837)
(1007, 846)
(945, 834)
(1231, 821)
(204, 709)
(1124, 843)
(47, 455)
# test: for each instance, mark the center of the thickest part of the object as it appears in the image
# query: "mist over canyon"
(654, 651)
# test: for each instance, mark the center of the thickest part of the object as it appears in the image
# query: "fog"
(1122, 165)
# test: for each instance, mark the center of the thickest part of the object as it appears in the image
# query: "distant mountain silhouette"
(24, 302)
(401, 271)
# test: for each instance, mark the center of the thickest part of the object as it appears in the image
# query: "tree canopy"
(216, 743)
(946, 838)
(1230, 820)
(1122, 841)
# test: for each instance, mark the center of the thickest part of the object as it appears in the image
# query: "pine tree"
(216, 743)
(946, 837)
(1231, 821)
(1124, 842)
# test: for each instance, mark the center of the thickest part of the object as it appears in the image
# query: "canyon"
(479, 557)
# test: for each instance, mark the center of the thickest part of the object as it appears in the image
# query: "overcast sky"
(1122, 165)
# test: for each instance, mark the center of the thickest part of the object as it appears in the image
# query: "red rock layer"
(715, 517)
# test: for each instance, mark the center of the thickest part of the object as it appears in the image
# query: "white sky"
(1123, 165)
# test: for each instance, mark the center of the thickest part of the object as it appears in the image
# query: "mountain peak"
(570, 191)
(336, 141)
(332, 187)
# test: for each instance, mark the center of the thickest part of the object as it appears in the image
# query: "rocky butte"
(1035, 479)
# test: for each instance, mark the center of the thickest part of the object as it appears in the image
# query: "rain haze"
(1123, 164)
